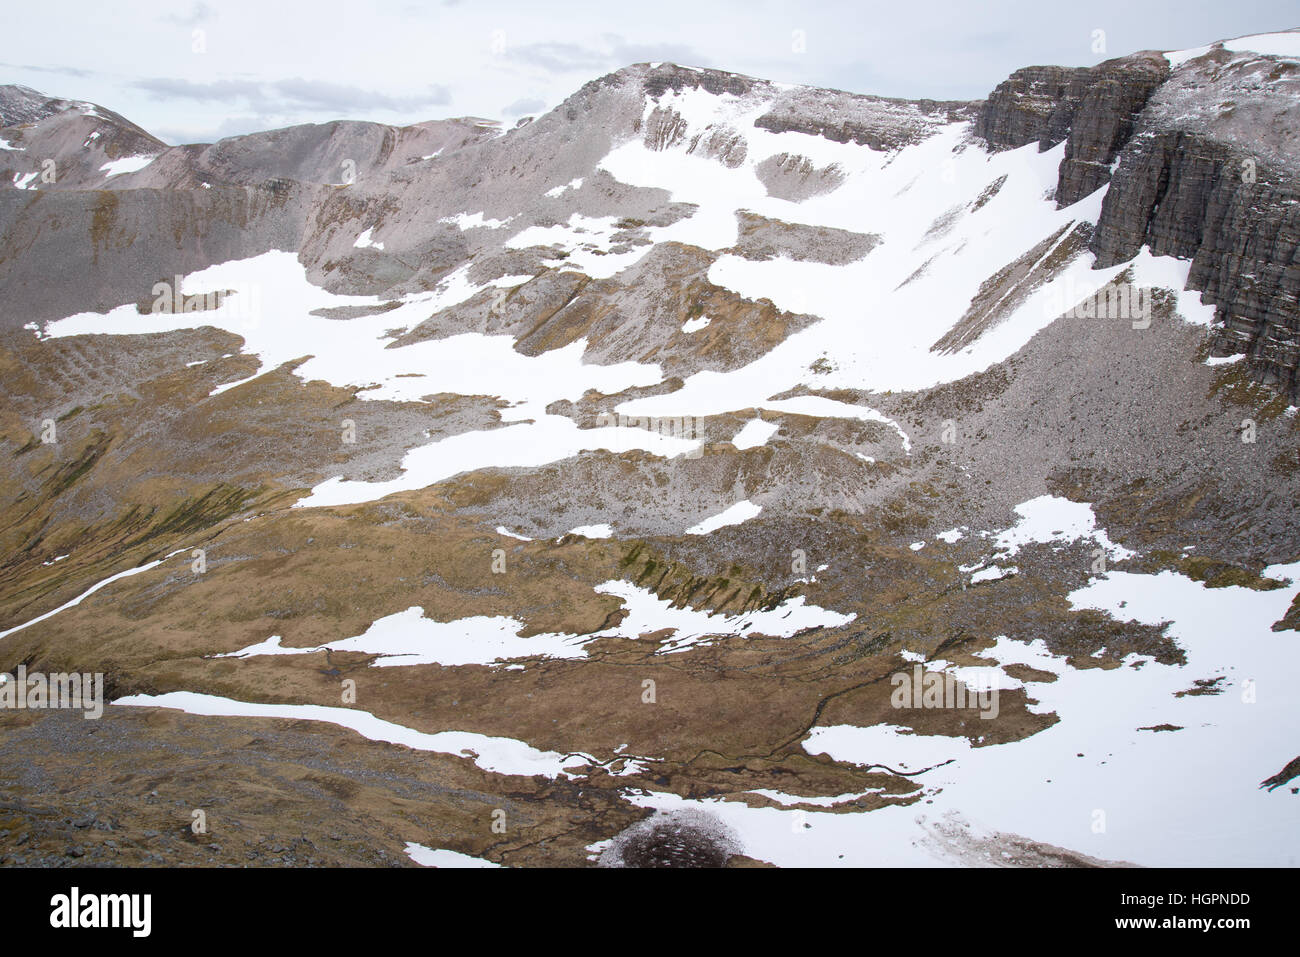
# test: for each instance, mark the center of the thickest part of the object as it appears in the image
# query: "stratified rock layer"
(1202, 165)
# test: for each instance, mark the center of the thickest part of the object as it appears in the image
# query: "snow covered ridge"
(1269, 44)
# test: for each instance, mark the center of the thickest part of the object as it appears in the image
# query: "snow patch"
(365, 242)
(430, 857)
(593, 531)
(756, 432)
(128, 164)
(496, 754)
(740, 512)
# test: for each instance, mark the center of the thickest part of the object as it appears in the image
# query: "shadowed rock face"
(1103, 120)
(93, 233)
(1021, 109)
(1212, 174)
(1183, 195)
(1202, 164)
(1093, 110)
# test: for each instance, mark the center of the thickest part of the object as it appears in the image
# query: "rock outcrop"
(1202, 164)
(1020, 110)
(1186, 196)
(1093, 110)
(1102, 122)
(1212, 174)
(22, 104)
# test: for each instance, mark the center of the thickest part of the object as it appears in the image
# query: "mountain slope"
(624, 461)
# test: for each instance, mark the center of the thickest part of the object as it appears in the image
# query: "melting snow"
(496, 754)
(1050, 518)
(409, 638)
(354, 352)
(756, 432)
(740, 512)
(474, 221)
(1155, 790)
(648, 613)
(86, 594)
(128, 164)
(593, 531)
(365, 242)
(572, 184)
(429, 857)
(992, 574)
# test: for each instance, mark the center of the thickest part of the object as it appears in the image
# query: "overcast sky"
(197, 70)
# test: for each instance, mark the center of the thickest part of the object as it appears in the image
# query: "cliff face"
(1202, 163)
(1093, 110)
(1186, 196)
(1102, 121)
(1212, 174)
(1022, 108)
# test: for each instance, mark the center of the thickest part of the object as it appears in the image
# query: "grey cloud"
(65, 70)
(296, 93)
(216, 91)
(319, 94)
(615, 53)
(231, 126)
(625, 53)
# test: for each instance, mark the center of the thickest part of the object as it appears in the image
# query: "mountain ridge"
(624, 461)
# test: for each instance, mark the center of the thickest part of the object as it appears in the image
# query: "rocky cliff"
(1187, 196)
(1201, 157)
(1092, 110)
